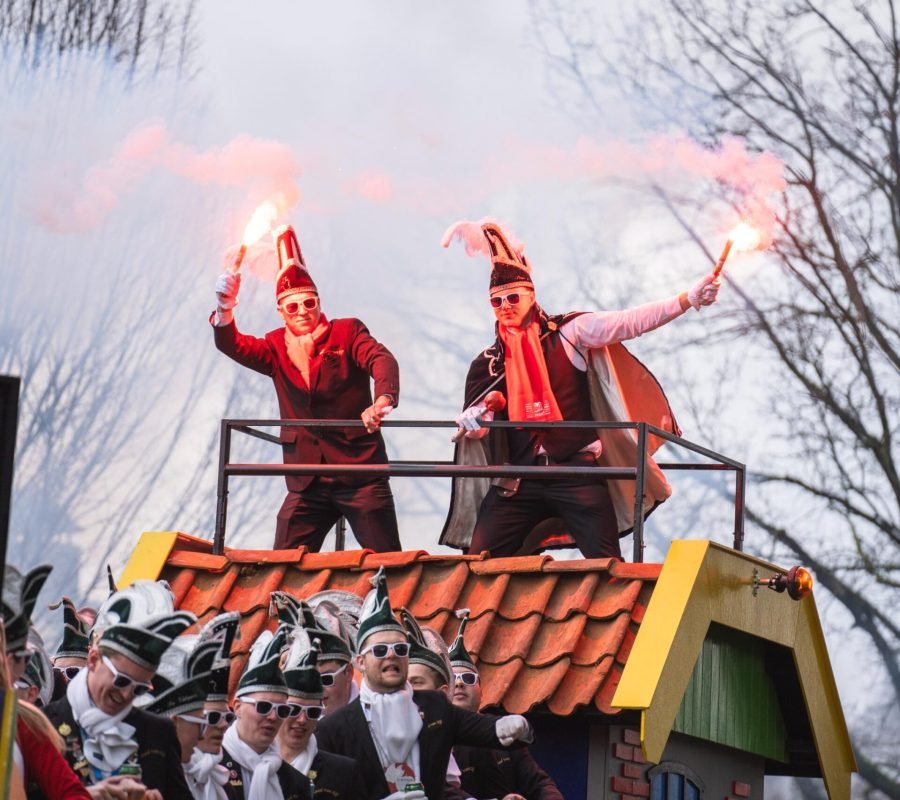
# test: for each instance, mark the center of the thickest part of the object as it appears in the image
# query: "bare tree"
(818, 84)
(145, 37)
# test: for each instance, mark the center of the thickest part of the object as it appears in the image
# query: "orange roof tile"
(545, 633)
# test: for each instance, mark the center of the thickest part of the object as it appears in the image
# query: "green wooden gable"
(731, 697)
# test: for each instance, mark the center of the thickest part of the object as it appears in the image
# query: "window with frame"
(673, 781)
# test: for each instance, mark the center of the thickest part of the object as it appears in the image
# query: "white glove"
(513, 728)
(470, 423)
(470, 419)
(415, 794)
(228, 284)
(704, 293)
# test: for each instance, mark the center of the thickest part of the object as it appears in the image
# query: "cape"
(622, 389)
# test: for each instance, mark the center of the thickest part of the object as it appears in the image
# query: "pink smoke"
(374, 185)
(261, 166)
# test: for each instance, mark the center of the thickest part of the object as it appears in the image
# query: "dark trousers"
(306, 517)
(584, 506)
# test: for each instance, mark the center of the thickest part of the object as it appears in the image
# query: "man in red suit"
(321, 369)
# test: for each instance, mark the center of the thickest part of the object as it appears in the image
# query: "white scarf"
(264, 766)
(303, 761)
(109, 742)
(394, 721)
(205, 776)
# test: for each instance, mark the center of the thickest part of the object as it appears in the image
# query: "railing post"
(740, 487)
(638, 533)
(222, 488)
(340, 534)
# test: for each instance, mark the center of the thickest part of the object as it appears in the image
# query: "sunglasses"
(309, 303)
(265, 707)
(399, 649)
(512, 298)
(20, 655)
(123, 681)
(196, 720)
(215, 717)
(68, 673)
(328, 678)
(312, 712)
(468, 678)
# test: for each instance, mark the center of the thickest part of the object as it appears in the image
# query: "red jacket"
(341, 368)
(45, 768)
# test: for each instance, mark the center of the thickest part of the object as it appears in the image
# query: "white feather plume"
(472, 236)
(258, 650)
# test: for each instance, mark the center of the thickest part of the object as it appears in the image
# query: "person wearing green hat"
(205, 774)
(256, 769)
(20, 593)
(485, 772)
(330, 775)
(402, 739)
(71, 655)
(117, 749)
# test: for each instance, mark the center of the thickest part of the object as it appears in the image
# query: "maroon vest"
(570, 386)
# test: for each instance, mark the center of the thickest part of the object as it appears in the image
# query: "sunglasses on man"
(265, 707)
(328, 678)
(512, 298)
(312, 713)
(468, 678)
(123, 681)
(201, 721)
(399, 649)
(68, 673)
(293, 306)
(213, 718)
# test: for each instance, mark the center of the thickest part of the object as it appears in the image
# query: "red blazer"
(47, 773)
(339, 388)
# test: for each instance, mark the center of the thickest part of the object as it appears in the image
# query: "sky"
(381, 125)
(386, 122)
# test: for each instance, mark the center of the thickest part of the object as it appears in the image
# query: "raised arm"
(602, 328)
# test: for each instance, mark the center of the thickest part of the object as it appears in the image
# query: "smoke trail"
(263, 167)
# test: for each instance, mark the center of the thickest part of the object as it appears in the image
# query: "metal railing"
(448, 469)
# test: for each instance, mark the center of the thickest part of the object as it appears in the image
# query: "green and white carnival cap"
(300, 673)
(376, 615)
(222, 629)
(427, 647)
(181, 682)
(140, 622)
(20, 593)
(75, 639)
(459, 656)
(263, 674)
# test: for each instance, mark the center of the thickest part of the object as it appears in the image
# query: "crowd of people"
(548, 368)
(338, 698)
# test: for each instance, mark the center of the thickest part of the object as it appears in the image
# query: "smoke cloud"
(263, 167)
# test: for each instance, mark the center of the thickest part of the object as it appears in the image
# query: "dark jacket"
(346, 732)
(294, 785)
(158, 753)
(336, 777)
(339, 388)
(497, 773)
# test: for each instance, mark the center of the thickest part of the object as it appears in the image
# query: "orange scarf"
(529, 394)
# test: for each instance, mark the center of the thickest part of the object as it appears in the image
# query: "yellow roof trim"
(149, 557)
(703, 582)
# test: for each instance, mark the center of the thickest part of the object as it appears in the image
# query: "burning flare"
(743, 236)
(260, 223)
